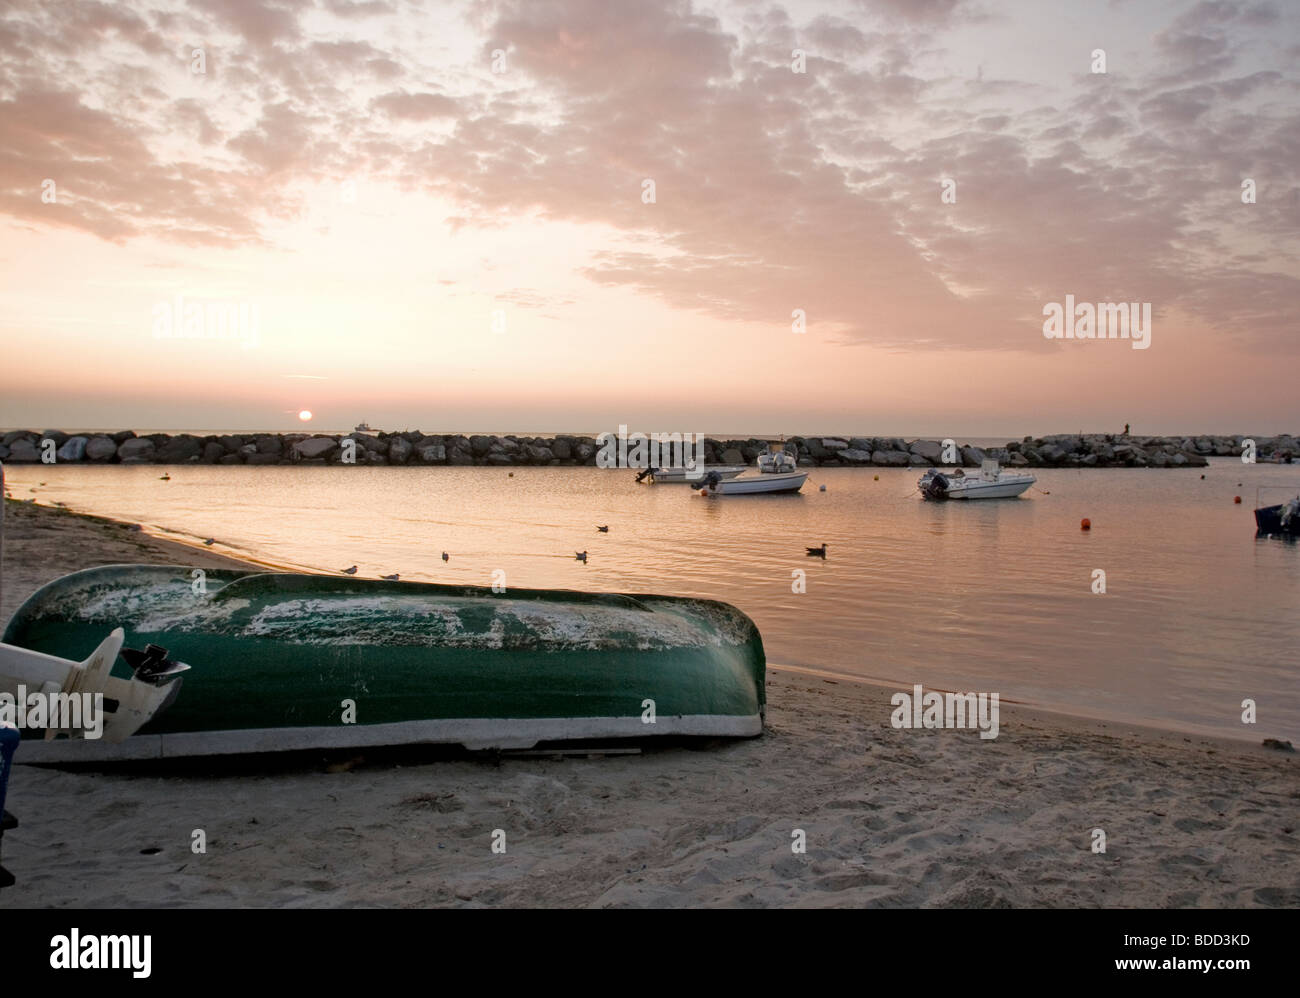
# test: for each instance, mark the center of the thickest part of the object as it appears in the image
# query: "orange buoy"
(1237, 500)
(876, 479)
(1085, 524)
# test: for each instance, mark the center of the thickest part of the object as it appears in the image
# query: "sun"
(305, 415)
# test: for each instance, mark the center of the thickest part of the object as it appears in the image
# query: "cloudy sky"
(543, 216)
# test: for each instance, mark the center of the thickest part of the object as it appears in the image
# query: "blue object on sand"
(8, 742)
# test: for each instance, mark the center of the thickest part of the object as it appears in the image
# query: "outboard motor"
(152, 665)
(935, 487)
(708, 481)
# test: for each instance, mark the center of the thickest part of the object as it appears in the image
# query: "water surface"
(992, 596)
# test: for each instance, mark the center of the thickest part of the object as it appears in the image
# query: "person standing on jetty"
(1126, 429)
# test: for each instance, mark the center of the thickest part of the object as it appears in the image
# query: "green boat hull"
(288, 661)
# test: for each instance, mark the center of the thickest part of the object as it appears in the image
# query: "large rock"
(1052, 454)
(212, 452)
(259, 458)
(136, 449)
(432, 453)
(310, 449)
(73, 449)
(231, 443)
(58, 436)
(891, 458)
(13, 435)
(732, 456)
(834, 443)
(562, 449)
(539, 455)
(23, 451)
(931, 450)
(399, 450)
(480, 445)
(855, 456)
(179, 450)
(100, 449)
(971, 457)
(268, 444)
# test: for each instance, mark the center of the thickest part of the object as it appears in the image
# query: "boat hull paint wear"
(277, 658)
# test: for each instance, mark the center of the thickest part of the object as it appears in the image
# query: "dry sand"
(892, 817)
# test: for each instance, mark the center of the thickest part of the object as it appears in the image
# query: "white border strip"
(473, 733)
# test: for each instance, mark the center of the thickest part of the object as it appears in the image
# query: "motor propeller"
(152, 665)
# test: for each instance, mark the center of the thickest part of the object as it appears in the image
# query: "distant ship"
(364, 428)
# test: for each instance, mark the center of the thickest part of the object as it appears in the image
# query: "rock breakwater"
(414, 448)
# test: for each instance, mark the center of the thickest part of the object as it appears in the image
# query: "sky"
(732, 218)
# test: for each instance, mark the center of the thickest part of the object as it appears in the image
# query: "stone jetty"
(414, 448)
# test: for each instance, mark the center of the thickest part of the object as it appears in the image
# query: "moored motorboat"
(756, 485)
(777, 474)
(676, 476)
(992, 482)
(1282, 519)
(289, 661)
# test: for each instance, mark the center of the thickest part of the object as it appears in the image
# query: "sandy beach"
(892, 818)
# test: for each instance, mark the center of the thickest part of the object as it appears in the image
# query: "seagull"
(603, 530)
(349, 571)
(210, 541)
(446, 556)
(390, 578)
(581, 556)
(817, 552)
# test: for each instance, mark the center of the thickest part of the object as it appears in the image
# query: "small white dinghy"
(777, 474)
(671, 476)
(991, 483)
(28, 678)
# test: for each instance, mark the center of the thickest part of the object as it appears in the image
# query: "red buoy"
(1085, 524)
(1237, 500)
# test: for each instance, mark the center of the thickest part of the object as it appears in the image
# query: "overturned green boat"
(283, 661)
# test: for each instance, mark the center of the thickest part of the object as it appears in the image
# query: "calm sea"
(994, 596)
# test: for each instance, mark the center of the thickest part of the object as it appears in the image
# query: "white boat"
(777, 473)
(757, 484)
(364, 427)
(992, 482)
(30, 677)
(127, 704)
(667, 476)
